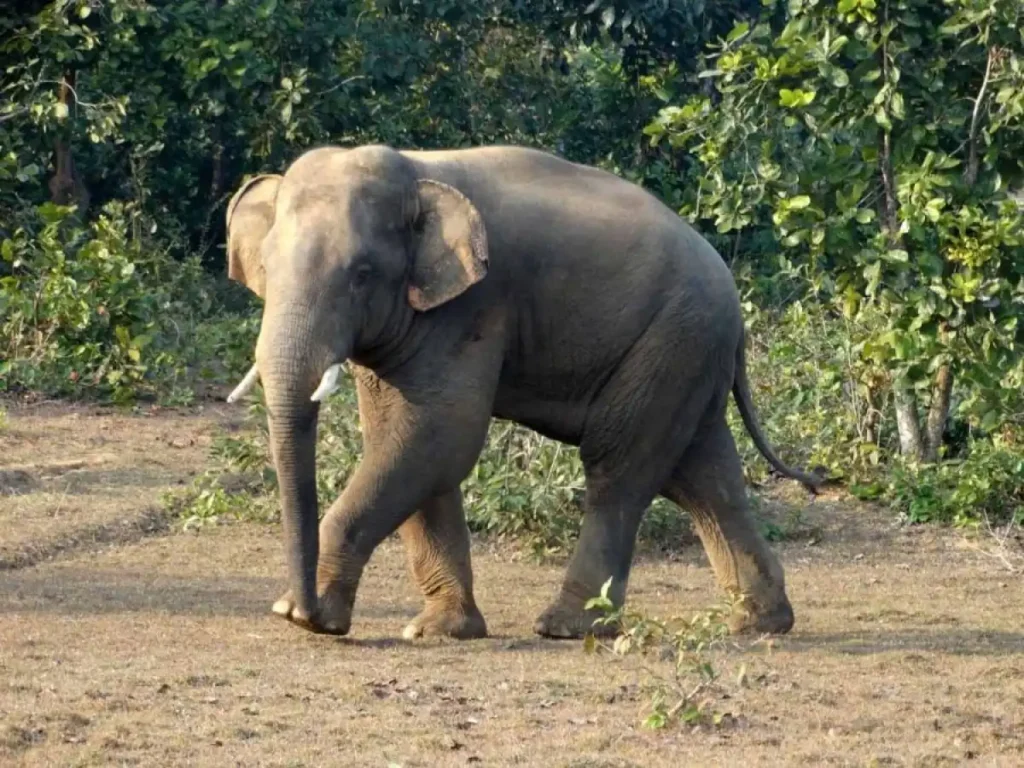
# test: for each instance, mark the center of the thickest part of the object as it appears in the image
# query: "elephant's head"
(344, 248)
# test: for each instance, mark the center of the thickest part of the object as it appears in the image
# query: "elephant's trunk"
(290, 364)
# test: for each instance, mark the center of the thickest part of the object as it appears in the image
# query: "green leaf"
(865, 215)
(799, 202)
(873, 274)
(738, 31)
(655, 721)
(933, 208)
(795, 98)
(896, 106)
(1006, 93)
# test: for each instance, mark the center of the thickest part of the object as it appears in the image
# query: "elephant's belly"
(562, 421)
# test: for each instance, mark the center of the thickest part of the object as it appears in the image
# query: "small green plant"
(687, 694)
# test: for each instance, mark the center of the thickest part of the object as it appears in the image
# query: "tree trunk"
(908, 425)
(938, 412)
(66, 186)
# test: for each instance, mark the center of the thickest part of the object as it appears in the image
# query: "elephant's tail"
(741, 391)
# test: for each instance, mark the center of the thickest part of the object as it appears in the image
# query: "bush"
(823, 401)
(102, 311)
(818, 400)
(985, 486)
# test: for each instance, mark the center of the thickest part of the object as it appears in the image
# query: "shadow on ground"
(84, 591)
(956, 642)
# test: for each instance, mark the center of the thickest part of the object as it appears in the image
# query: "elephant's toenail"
(282, 608)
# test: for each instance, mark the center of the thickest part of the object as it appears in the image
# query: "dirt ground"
(127, 641)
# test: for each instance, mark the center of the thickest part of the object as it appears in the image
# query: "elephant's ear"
(250, 216)
(450, 252)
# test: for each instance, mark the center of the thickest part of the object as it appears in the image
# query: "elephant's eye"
(362, 274)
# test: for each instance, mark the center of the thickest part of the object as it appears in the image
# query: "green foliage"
(173, 103)
(688, 693)
(825, 404)
(94, 310)
(856, 162)
(817, 400)
(986, 486)
(877, 143)
(851, 160)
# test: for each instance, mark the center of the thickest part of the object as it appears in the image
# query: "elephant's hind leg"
(604, 549)
(635, 432)
(708, 482)
(436, 541)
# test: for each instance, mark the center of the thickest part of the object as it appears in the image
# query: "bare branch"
(343, 83)
(971, 171)
(12, 115)
(65, 84)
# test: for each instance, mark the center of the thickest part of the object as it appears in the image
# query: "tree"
(877, 139)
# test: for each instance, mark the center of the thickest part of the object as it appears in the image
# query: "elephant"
(506, 282)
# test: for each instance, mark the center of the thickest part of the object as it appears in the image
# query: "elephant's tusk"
(245, 384)
(328, 384)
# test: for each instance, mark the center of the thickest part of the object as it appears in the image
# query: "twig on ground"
(1001, 551)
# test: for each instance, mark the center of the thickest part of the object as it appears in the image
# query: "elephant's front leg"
(381, 495)
(436, 541)
(417, 448)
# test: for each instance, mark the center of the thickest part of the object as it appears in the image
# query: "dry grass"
(160, 650)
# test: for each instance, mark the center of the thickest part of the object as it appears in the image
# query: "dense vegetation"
(854, 161)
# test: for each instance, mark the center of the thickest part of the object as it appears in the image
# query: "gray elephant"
(506, 282)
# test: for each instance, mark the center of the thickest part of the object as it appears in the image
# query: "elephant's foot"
(333, 612)
(567, 619)
(748, 617)
(440, 620)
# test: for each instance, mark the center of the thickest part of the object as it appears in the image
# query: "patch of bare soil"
(75, 477)
(908, 648)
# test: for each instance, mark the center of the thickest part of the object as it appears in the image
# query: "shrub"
(102, 311)
(690, 691)
(985, 486)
